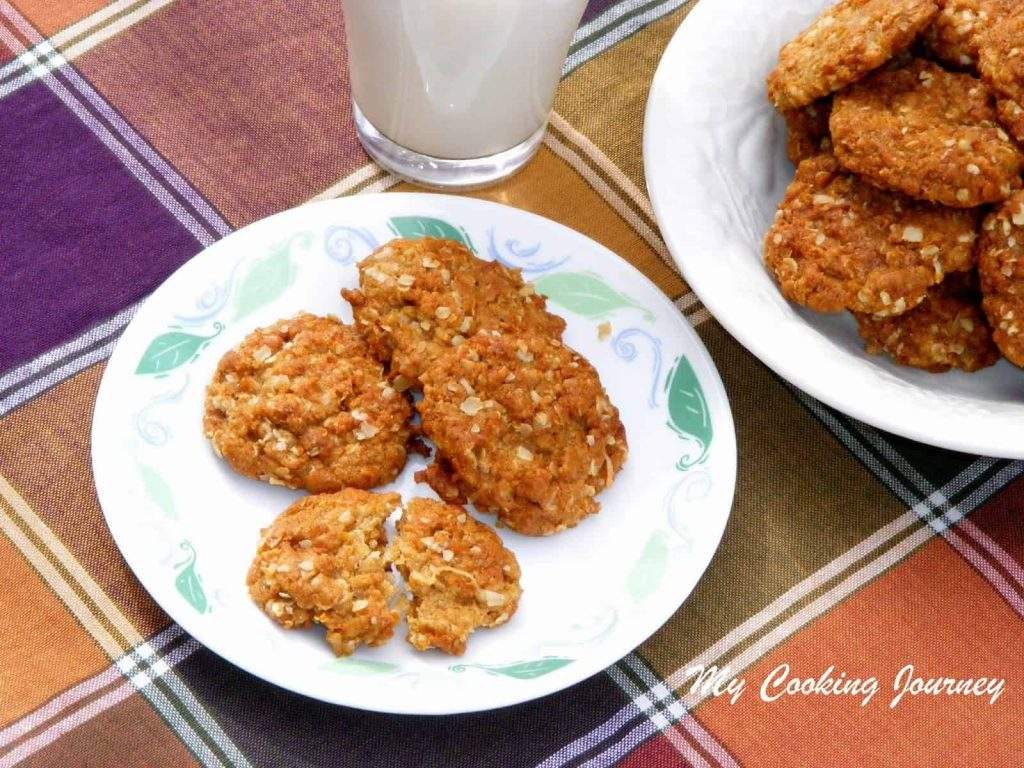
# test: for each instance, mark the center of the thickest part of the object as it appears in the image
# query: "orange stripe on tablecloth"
(933, 611)
(50, 16)
(108, 626)
(65, 576)
(128, 735)
(45, 453)
(43, 649)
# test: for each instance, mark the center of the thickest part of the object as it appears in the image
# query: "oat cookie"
(1001, 64)
(1011, 116)
(302, 403)
(1001, 56)
(322, 561)
(523, 429)
(947, 330)
(418, 298)
(954, 35)
(928, 133)
(846, 42)
(807, 128)
(1001, 267)
(459, 573)
(839, 243)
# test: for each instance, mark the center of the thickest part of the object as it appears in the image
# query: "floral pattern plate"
(188, 525)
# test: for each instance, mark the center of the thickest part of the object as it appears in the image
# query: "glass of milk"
(455, 93)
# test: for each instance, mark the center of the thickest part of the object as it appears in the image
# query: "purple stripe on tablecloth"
(80, 237)
(596, 7)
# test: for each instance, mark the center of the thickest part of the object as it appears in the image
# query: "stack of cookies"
(904, 119)
(521, 427)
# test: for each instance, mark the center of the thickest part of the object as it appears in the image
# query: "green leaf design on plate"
(173, 349)
(587, 294)
(647, 572)
(158, 490)
(688, 412)
(188, 582)
(424, 226)
(268, 278)
(520, 670)
(353, 666)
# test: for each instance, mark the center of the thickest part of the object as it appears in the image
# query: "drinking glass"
(455, 93)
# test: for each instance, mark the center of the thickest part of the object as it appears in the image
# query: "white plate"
(714, 156)
(188, 526)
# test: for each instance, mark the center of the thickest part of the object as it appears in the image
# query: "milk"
(458, 79)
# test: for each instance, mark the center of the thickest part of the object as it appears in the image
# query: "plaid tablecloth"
(134, 133)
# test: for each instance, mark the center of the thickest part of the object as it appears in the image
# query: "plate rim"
(403, 706)
(717, 303)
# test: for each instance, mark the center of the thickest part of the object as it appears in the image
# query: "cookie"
(523, 429)
(947, 330)
(1001, 64)
(953, 36)
(1011, 117)
(839, 243)
(807, 130)
(322, 561)
(848, 41)
(303, 404)
(460, 575)
(1001, 268)
(928, 133)
(419, 298)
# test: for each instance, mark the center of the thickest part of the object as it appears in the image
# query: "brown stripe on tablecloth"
(279, 728)
(659, 752)
(43, 649)
(601, 172)
(128, 735)
(628, 200)
(45, 454)
(266, 103)
(608, 108)
(788, 462)
(549, 187)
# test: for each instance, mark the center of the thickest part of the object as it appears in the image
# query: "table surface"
(134, 133)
